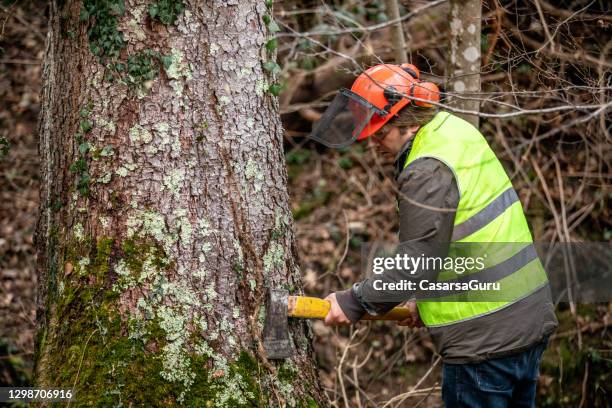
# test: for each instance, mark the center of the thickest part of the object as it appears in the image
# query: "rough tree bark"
(463, 69)
(164, 211)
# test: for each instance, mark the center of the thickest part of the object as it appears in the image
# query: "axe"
(281, 306)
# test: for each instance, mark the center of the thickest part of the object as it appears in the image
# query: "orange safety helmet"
(376, 96)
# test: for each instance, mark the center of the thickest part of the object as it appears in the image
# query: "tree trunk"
(397, 32)
(164, 210)
(463, 68)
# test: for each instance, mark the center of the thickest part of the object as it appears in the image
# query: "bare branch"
(371, 28)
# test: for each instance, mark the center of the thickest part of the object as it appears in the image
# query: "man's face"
(386, 137)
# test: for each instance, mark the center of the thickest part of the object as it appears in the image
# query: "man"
(453, 197)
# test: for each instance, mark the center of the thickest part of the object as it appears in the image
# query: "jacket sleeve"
(427, 200)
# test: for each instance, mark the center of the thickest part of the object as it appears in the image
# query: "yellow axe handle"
(315, 308)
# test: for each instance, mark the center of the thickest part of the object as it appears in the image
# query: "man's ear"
(412, 130)
(406, 131)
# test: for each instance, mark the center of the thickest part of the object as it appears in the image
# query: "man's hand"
(414, 320)
(335, 316)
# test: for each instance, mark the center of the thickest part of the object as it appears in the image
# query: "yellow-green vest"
(489, 214)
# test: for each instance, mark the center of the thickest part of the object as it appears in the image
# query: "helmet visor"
(344, 120)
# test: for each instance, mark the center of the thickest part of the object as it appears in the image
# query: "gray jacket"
(424, 230)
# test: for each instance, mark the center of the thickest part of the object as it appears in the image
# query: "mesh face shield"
(345, 119)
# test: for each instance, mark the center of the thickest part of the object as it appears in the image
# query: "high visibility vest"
(488, 213)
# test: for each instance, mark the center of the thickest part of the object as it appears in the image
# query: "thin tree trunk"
(397, 32)
(164, 210)
(463, 68)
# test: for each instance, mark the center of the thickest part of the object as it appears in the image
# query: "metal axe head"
(276, 329)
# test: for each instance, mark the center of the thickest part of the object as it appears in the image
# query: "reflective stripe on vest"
(489, 213)
(493, 210)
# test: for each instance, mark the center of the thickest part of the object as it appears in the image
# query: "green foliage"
(287, 372)
(83, 184)
(374, 11)
(84, 148)
(273, 27)
(356, 241)
(80, 166)
(308, 62)
(564, 360)
(315, 199)
(105, 40)
(166, 61)
(12, 365)
(295, 159)
(4, 143)
(85, 125)
(166, 11)
(272, 44)
(381, 17)
(85, 112)
(484, 44)
(4, 146)
(345, 162)
(201, 131)
(272, 67)
(275, 89)
(524, 69)
(311, 403)
(142, 67)
(349, 154)
(298, 156)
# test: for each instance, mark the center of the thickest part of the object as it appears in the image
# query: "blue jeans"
(496, 383)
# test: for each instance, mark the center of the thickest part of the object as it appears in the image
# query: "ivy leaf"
(271, 45)
(85, 178)
(118, 7)
(275, 89)
(153, 10)
(4, 146)
(345, 162)
(273, 27)
(166, 60)
(84, 148)
(272, 67)
(78, 166)
(84, 15)
(95, 50)
(86, 126)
